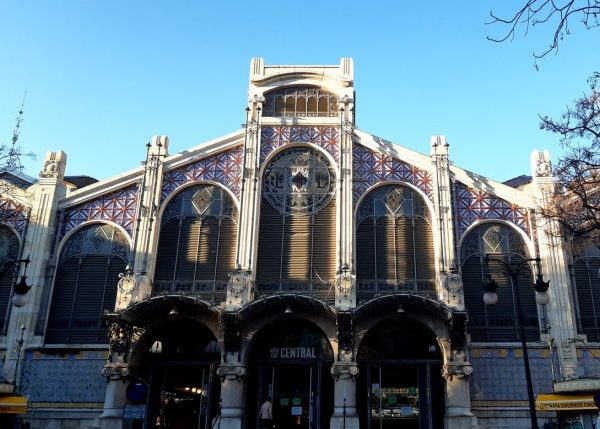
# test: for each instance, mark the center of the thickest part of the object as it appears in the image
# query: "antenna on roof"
(14, 153)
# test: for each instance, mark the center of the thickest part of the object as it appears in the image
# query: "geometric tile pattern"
(272, 138)
(503, 378)
(72, 377)
(224, 167)
(371, 167)
(473, 205)
(118, 207)
(14, 215)
(590, 364)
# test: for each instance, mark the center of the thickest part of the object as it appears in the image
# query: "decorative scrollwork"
(115, 371)
(346, 370)
(231, 372)
(118, 336)
(345, 280)
(456, 369)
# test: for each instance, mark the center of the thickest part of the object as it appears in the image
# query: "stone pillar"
(344, 397)
(232, 395)
(555, 267)
(345, 278)
(456, 370)
(449, 280)
(146, 236)
(39, 242)
(116, 371)
(458, 405)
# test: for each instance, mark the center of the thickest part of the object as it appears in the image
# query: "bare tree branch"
(557, 14)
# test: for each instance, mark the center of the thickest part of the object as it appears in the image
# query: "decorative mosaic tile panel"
(13, 215)
(118, 207)
(590, 363)
(473, 205)
(503, 378)
(64, 378)
(224, 168)
(272, 138)
(372, 167)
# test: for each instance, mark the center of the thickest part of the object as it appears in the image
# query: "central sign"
(293, 353)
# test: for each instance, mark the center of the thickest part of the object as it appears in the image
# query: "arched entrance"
(180, 368)
(401, 386)
(290, 363)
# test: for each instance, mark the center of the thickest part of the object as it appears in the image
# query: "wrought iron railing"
(213, 291)
(371, 288)
(319, 290)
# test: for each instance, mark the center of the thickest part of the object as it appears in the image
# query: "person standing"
(265, 415)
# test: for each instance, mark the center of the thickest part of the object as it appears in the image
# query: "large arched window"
(296, 247)
(301, 101)
(497, 322)
(394, 243)
(9, 251)
(86, 285)
(197, 244)
(586, 266)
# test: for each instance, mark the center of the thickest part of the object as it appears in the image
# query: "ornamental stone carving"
(115, 371)
(344, 370)
(54, 165)
(117, 335)
(456, 369)
(231, 372)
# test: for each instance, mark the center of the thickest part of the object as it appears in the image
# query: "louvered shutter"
(587, 288)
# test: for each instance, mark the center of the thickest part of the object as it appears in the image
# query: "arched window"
(197, 244)
(296, 247)
(497, 322)
(9, 251)
(86, 285)
(394, 243)
(301, 101)
(586, 266)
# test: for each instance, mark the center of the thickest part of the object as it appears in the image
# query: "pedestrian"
(265, 415)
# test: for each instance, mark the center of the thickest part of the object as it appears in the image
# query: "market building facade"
(299, 259)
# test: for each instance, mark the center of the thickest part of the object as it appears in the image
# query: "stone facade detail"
(231, 372)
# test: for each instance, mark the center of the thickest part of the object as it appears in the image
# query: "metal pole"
(344, 415)
(521, 318)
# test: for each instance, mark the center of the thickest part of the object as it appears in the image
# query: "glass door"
(399, 397)
(294, 393)
(180, 397)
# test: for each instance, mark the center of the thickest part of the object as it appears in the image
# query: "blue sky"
(103, 77)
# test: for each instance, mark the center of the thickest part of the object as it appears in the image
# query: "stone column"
(232, 394)
(555, 267)
(449, 280)
(344, 397)
(456, 370)
(116, 371)
(45, 196)
(250, 205)
(345, 279)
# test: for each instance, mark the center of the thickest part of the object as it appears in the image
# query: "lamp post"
(20, 289)
(541, 296)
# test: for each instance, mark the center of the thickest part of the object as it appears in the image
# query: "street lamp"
(20, 289)
(490, 297)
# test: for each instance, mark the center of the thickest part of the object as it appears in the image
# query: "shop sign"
(293, 353)
(134, 412)
(13, 404)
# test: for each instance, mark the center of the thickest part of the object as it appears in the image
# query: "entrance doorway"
(291, 365)
(180, 370)
(402, 387)
(181, 397)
